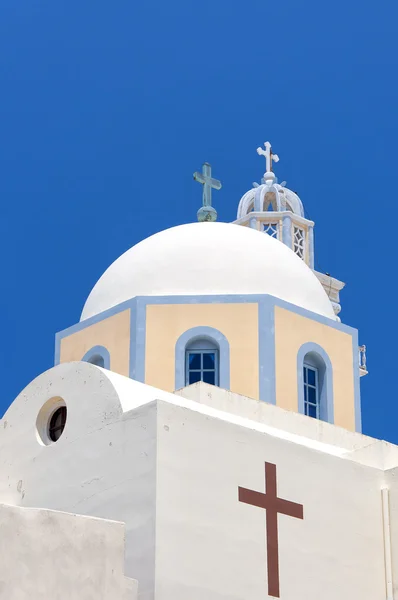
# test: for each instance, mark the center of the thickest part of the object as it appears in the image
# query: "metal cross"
(208, 183)
(269, 156)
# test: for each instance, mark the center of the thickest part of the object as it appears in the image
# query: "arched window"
(98, 356)
(97, 360)
(202, 362)
(315, 383)
(311, 391)
(202, 354)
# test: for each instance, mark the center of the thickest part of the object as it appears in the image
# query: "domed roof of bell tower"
(283, 200)
(269, 195)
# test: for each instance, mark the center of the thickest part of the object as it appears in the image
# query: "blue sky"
(107, 108)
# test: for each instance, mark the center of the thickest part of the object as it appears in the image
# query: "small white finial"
(269, 156)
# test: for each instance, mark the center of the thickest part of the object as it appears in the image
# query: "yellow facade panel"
(165, 323)
(291, 332)
(113, 333)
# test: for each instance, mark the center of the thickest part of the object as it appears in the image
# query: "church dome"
(286, 200)
(208, 258)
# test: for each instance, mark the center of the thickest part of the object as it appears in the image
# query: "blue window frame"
(202, 340)
(98, 356)
(311, 391)
(201, 365)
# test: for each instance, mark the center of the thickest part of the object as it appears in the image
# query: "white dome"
(209, 258)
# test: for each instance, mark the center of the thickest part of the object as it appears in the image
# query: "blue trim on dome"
(209, 299)
(139, 339)
(357, 387)
(266, 350)
(133, 344)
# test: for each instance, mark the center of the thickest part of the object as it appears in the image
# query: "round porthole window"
(51, 421)
(57, 422)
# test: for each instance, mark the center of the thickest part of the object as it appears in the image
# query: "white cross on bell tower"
(269, 156)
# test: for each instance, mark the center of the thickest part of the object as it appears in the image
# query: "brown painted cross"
(273, 505)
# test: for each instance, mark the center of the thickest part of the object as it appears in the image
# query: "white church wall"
(377, 453)
(277, 417)
(170, 469)
(391, 528)
(48, 554)
(210, 545)
(103, 465)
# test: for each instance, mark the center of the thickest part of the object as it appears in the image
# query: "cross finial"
(269, 156)
(207, 212)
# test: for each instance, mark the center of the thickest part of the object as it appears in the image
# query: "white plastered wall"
(212, 546)
(104, 465)
(169, 468)
(49, 554)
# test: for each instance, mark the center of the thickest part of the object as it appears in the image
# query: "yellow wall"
(113, 333)
(291, 332)
(238, 322)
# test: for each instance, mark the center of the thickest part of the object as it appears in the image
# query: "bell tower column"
(311, 247)
(287, 230)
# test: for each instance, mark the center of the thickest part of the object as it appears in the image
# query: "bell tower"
(277, 211)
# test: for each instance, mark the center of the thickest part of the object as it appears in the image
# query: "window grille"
(311, 392)
(271, 229)
(202, 365)
(299, 241)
